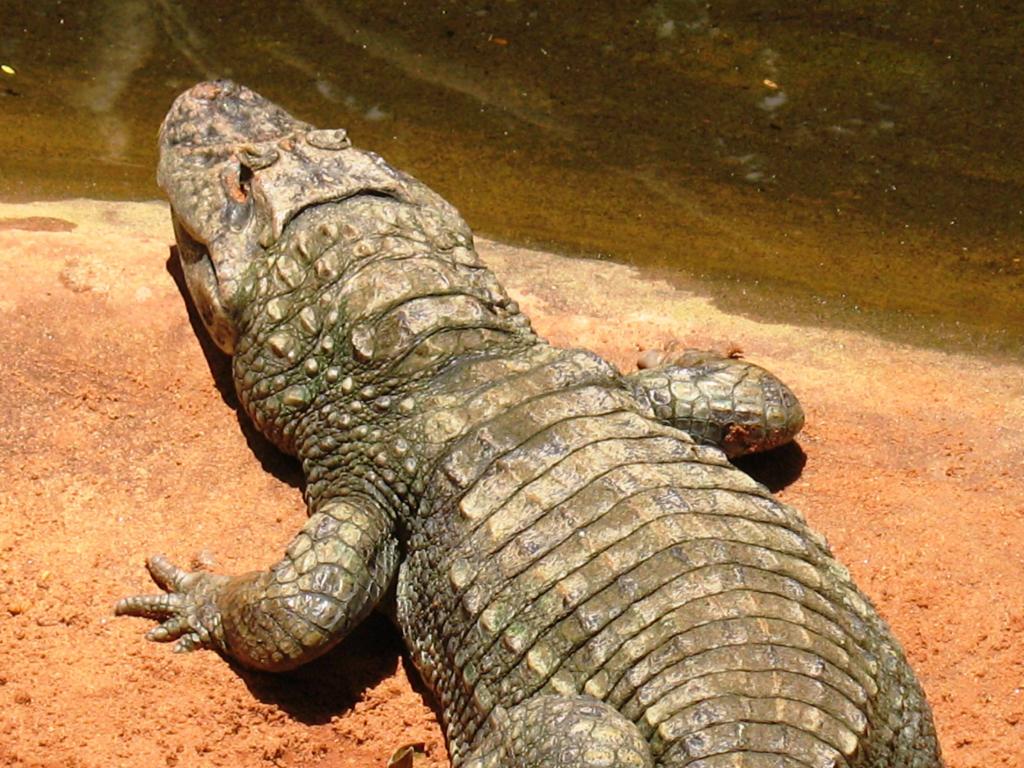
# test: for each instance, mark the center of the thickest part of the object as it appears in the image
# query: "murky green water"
(856, 163)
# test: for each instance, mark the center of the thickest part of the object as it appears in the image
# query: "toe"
(150, 606)
(167, 575)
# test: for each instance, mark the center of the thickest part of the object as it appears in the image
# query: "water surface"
(850, 163)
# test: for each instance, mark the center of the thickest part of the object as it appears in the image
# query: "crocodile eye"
(238, 201)
(245, 181)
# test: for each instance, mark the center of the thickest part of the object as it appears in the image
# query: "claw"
(166, 574)
(189, 642)
(186, 610)
(171, 629)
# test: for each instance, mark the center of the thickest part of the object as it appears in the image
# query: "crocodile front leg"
(332, 575)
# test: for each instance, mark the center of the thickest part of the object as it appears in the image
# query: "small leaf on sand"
(403, 756)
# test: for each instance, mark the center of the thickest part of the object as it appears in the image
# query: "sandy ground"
(116, 442)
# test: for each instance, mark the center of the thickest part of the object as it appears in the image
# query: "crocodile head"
(237, 169)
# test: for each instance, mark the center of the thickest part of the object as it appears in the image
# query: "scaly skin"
(719, 400)
(579, 583)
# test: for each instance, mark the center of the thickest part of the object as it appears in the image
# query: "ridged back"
(574, 545)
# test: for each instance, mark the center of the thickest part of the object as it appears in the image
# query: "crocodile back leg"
(723, 401)
(563, 731)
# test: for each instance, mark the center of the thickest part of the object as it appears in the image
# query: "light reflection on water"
(856, 164)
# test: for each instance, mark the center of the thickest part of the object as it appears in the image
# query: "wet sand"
(116, 442)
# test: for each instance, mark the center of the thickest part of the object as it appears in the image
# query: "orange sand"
(115, 443)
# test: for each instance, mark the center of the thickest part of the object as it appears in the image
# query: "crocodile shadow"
(333, 684)
(777, 468)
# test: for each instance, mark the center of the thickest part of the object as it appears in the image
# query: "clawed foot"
(187, 611)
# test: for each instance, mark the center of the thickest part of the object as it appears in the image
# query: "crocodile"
(579, 581)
